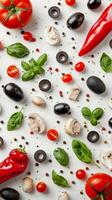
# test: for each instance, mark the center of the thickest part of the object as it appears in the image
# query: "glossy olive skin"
(96, 84)
(61, 108)
(9, 194)
(14, 92)
(110, 122)
(75, 21)
(93, 4)
(93, 136)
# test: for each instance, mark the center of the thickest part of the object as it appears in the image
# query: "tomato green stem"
(102, 197)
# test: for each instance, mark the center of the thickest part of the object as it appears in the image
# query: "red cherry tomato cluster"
(81, 174)
(13, 71)
(70, 2)
(67, 78)
(52, 134)
(80, 66)
(28, 37)
(41, 187)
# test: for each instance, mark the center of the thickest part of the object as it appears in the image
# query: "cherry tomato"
(52, 134)
(80, 66)
(41, 187)
(80, 174)
(27, 36)
(70, 2)
(13, 71)
(67, 78)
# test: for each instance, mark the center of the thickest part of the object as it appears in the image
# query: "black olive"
(75, 21)
(1, 142)
(62, 57)
(40, 156)
(110, 122)
(14, 92)
(54, 12)
(61, 108)
(96, 84)
(93, 4)
(110, 43)
(9, 194)
(93, 136)
(45, 85)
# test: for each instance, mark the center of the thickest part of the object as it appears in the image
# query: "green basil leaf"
(15, 121)
(42, 60)
(81, 151)
(25, 65)
(38, 70)
(97, 113)
(93, 121)
(28, 75)
(59, 180)
(106, 63)
(86, 112)
(32, 62)
(17, 50)
(61, 156)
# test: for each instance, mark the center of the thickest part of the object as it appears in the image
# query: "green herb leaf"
(93, 121)
(15, 121)
(25, 65)
(61, 156)
(42, 60)
(97, 113)
(86, 112)
(17, 50)
(81, 151)
(32, 63)
(106, 63)
(28, 75)
(59, 180)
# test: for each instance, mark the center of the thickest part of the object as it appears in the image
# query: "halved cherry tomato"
(41, 187)
(52, 134)
(70, 2)
(81, 174)
(67, 78)
(13, 71)
(27, 36)
(80, 66)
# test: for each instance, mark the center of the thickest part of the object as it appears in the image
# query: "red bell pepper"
(13, 165)
(99, 31)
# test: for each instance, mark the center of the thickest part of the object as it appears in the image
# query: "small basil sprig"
(106, 63)
(18, 50)
(59, 180)
(33, 67)
(61, 156)
(92, 116)
(82, 152)
(15, 121)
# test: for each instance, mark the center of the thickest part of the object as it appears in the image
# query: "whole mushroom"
(64, 196)
(27, 185)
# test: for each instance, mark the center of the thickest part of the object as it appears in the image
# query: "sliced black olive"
(96, 84)
(93, 4)
(45, 85)
(61, 108)
(54, 12)
(75, 21)
(62, 57)
(14, 92)
(110, 122)
(110, 43)
(9, 194)
(40, 156)
(1, 142)
(93, 136)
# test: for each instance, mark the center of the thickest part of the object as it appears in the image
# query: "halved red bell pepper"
(99, 31)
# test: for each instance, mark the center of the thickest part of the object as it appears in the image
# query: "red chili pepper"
(99, 31)
(13, 165)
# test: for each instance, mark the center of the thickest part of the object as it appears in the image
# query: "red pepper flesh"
(98, 32)
(11, 168)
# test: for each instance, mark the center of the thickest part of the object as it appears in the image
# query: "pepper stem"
(22, 149)
(102, 197)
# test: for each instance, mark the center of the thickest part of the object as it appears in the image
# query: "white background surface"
(92, 68)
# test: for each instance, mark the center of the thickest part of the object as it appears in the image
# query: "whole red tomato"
(99, 187)
(15, 13)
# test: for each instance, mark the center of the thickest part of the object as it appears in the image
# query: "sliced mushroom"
(52, 35)
(36, 123)
(106, 159)
(64, 196)
(27, 185)
(74, 93)
(38, 101)
(72, 127)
